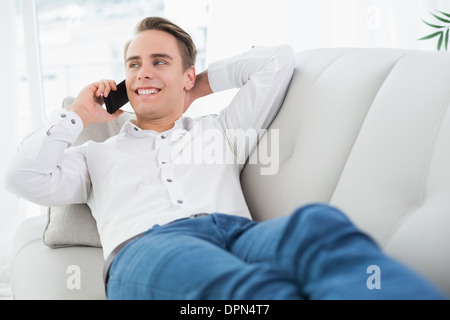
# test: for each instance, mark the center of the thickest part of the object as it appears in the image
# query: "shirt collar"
(129, 129)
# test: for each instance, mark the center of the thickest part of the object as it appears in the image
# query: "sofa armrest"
(40, 272)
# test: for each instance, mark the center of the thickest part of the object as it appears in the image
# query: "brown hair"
(185, 44)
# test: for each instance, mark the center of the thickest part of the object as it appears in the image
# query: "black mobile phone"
(116, 99)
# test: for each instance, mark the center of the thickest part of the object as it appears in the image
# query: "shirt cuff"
(67, 125)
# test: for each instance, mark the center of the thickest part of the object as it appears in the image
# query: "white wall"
(9, 205)
(235, 25)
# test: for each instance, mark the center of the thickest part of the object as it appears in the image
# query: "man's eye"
(159, 63)
(134, 65)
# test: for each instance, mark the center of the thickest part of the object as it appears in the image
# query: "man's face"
(156, 82)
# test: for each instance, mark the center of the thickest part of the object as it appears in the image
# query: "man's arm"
(262, 75)
(45, 170)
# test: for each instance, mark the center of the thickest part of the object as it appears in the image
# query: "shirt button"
(163, 162)
(63, 115)
(73, 121)
(163, 137)
(136, 129)
(180, 201)
(169, 180)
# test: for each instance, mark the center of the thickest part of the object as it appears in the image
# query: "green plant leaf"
(446, 39)
(433, 25)
(441, 38)
(444, 13)
(439, 18)
(444, 34)
(432, 35)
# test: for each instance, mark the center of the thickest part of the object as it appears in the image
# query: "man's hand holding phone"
(89, 103)
(116, 99)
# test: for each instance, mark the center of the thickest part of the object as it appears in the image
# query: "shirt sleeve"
(45, 170)
(263, 75)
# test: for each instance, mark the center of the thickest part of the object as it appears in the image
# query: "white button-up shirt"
(140, 178)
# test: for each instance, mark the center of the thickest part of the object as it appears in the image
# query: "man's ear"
(190, 78)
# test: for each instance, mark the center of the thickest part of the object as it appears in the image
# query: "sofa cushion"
(71, 225)
(74, 225)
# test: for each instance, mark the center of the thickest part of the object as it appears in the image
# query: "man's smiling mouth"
(142, 92)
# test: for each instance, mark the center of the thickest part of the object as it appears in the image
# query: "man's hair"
(186, 46)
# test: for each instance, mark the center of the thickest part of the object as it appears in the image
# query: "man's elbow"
(287, 57)
(27, 186)
(13, 182)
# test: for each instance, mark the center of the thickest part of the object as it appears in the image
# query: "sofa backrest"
(368, 131)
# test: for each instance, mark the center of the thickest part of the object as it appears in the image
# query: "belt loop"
(198, 215)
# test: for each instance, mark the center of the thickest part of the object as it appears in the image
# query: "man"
(176, 228)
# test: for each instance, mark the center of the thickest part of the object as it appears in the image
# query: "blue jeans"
(316, 253)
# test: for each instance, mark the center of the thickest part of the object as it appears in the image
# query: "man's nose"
(146, 72)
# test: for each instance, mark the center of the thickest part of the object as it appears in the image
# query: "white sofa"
(366, 130)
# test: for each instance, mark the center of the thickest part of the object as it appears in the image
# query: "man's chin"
(144, 109)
